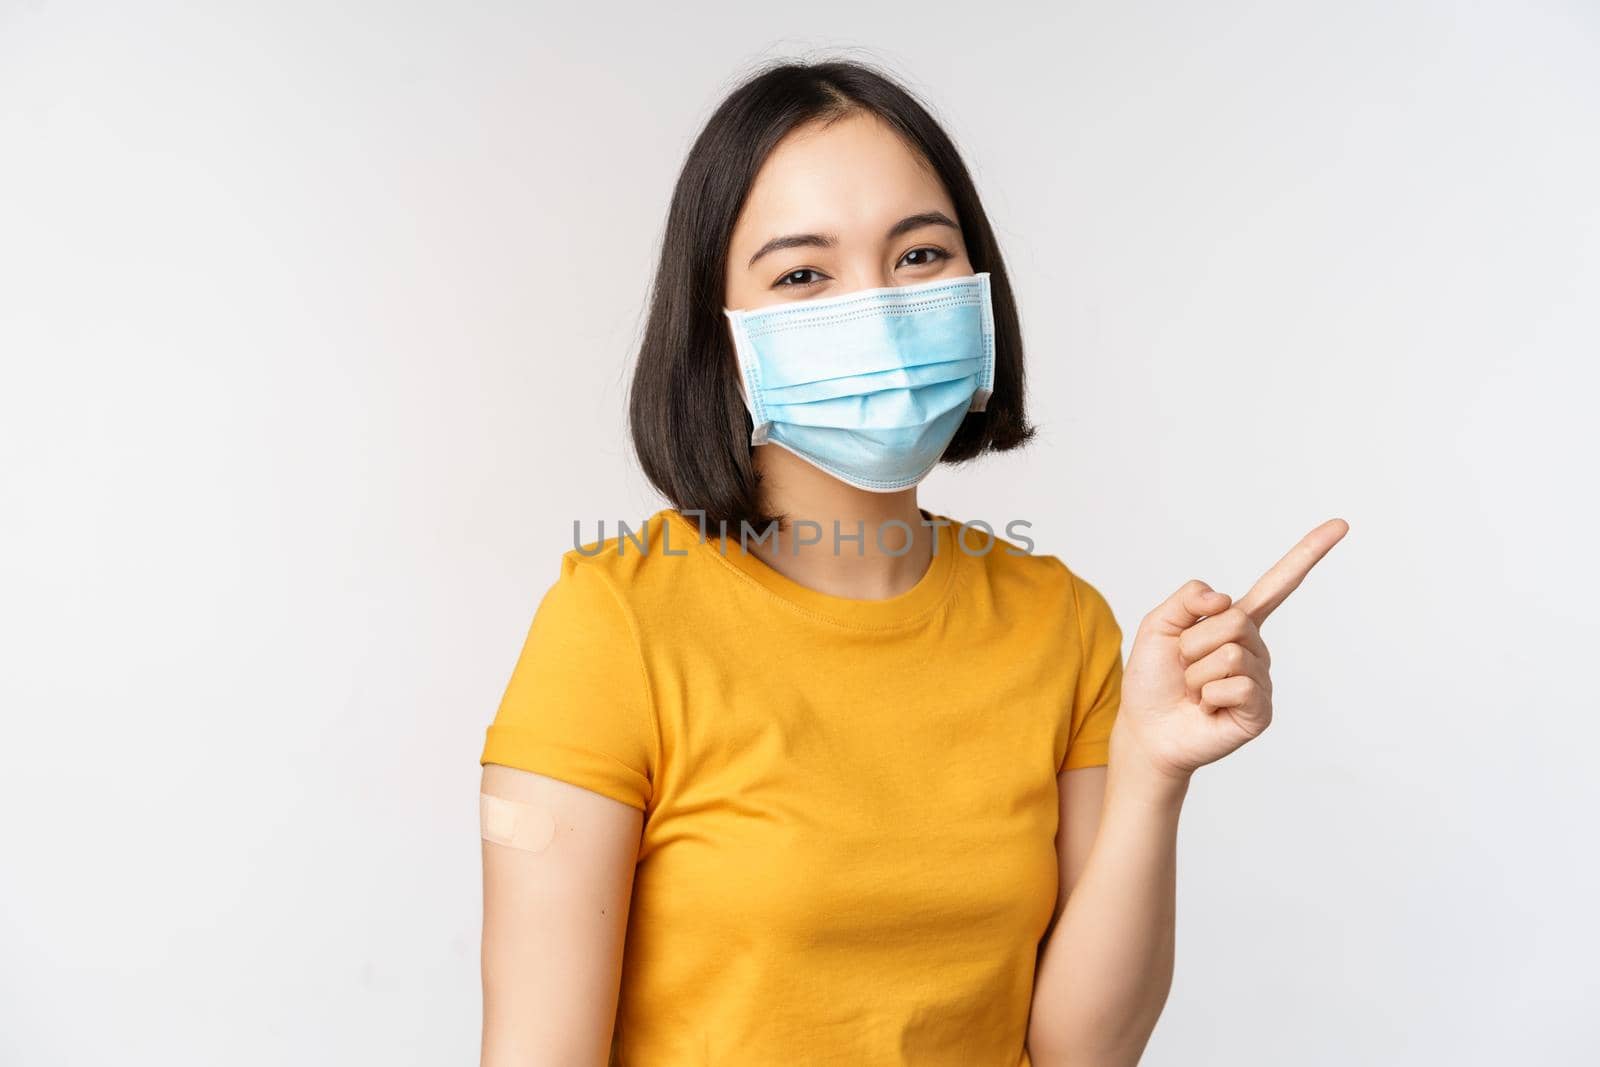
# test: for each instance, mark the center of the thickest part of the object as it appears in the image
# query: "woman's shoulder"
(632, 559)
(1014, 554)
(1015, 567)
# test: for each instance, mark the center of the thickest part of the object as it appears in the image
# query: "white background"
(316, 324)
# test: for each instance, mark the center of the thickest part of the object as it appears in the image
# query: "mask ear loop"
(514, 824)
(980, 397)
(743, 358)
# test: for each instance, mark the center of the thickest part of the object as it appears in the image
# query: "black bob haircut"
(688, 421)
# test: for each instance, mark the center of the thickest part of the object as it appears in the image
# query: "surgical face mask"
(872, 385)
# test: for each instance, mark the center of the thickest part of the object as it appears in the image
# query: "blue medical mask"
(872, 385)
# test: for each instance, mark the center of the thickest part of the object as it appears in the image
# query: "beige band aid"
(529, 827)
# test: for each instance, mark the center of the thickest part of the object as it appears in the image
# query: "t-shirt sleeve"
(578, 704)
(1099, 687)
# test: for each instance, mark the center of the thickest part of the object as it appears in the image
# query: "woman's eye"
(798, 278)
(938, 253)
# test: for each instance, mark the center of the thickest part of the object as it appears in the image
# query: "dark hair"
(688, 421)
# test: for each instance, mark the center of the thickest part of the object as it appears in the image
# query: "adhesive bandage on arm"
(515, 824)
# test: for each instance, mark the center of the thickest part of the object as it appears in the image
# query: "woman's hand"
(1196, 685)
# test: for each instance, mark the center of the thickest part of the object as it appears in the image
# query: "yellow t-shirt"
(850, 806)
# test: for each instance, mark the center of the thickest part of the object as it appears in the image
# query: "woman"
(851, 787)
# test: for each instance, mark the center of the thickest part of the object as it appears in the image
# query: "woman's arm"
(1197, 687)
(1106, 967)
(553, 926)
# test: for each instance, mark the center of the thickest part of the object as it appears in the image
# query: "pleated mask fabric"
(869, 386)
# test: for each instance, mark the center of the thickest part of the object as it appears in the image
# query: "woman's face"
(837, 209)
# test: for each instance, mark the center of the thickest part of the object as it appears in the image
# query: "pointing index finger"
(1274, 587)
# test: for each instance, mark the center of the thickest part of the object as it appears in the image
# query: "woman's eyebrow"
(828, 240)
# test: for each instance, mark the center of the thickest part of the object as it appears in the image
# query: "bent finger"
(1209, 634)
(1230, 661)
(1193, 601)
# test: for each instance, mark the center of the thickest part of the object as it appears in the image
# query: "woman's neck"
(838, 539)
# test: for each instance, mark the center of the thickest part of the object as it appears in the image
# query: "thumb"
(1193, 601)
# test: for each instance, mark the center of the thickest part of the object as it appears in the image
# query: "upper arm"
(578, 706)
(574, 735)
(1097, 695)
(554, 924)
(1097, 690)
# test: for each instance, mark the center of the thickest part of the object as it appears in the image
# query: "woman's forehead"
(854, 177)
